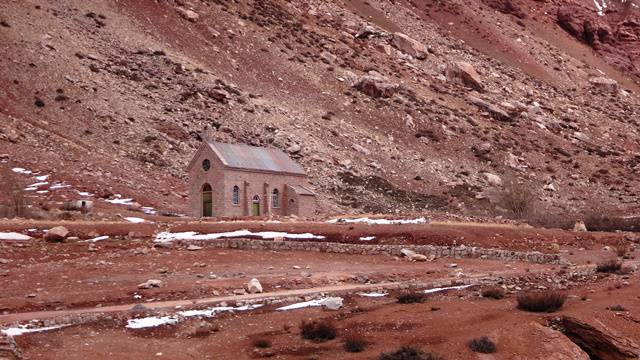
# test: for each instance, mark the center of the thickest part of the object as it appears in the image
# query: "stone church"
(242, 180)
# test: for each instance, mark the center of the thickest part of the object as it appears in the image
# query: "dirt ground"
(41, 280)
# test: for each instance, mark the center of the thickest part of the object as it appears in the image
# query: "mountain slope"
(113, 98)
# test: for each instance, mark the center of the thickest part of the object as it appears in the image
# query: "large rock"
(464, 74)
(332, 303)
(376, 86)
(188, 14)
(580, 226)
(493, 110)
(604, 84)
(493, 179)
(254, 286)
(412, 255)
(409, 46)
(57, 234)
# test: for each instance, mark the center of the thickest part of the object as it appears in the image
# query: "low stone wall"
(432, 251)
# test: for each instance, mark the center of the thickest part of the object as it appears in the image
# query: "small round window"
(206, 165)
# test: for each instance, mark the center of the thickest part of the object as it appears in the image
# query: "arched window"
(275, 199)
(236, 195)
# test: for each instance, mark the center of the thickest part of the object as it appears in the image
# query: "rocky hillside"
(390, 105)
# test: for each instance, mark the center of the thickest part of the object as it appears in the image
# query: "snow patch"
(306, 304)
(14, 236)
(151, 321)
(135, 220)
(192, 235)
(99, 238)
(373, 294)
(435, 290)
(368, 221)
(25, 329)
(367, 238)
(19, 170)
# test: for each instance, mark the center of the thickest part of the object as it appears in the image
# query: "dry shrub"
(494, 292)
(609, 266)
(262, 343)
(622, 251)
(354, 343)
(409, 353)
(618, 308)
(17, 204)
(517, 199)
(482, 345)
(318, 330)
(544, 301)
(411, 297)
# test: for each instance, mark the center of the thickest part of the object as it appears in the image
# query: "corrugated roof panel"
(256, 158)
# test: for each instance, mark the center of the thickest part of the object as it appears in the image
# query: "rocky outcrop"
(604, 84)
(557, 344)
(409, 46)
(598, 341)
(506, 7)
(376, 86)
(464, 74)
(493, 110)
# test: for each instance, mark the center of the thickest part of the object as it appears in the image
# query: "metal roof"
(255, 158)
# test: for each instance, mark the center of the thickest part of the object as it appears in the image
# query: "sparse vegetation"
(262, 343)
(411, 297)
(409, 353)
(17, 205)
(494, 292)
(354, 343)
(609, 266)
(617, 308)
(318, 330)
(622, 251)
(517, 199)
(482, 345)
(544, 301)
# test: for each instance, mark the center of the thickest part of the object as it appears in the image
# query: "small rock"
(254, 286)
(464, 74)
(239, 292)
(194, 248)
(580, 226)
(332, 303)
(150, 284)
(188, 14)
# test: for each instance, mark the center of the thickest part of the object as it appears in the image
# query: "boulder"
(493, 179)
(604, 84)
(332, 303)
(409, 46)
(412, 255)
(188, 14)
(254, 286)
(376, 86)
(57, 234)
(150, 284)
(464, 74)
(493, 110)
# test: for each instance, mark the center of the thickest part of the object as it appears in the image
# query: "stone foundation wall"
(431, 251)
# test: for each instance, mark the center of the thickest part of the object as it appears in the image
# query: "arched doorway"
(255, 206)
(207, 201)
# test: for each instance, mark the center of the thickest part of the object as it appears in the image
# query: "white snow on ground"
(135, 220)
(367, 238)
(19, 170)
(213, 311)
(373, 294)
(601, 5)
(368, 221)
(435, 290)
(39, 184)
(99, 238)
(59, 186)
(192, 235)
(24, 329)
(148, 210)
(120, 201)
(14, 236)
(30, 189)
(42, 177)
(306, 304)
(151, 321)
(154, 321)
